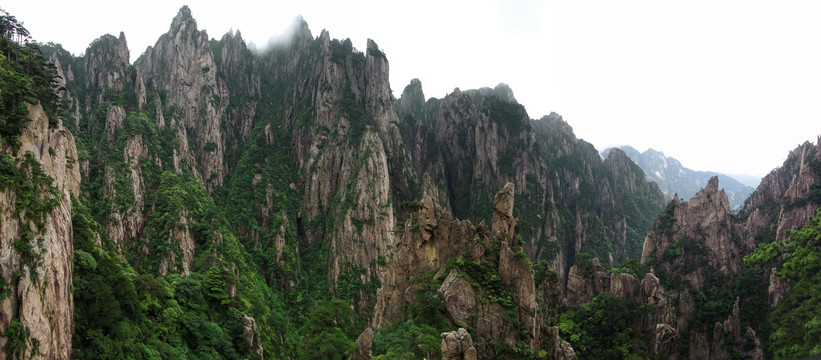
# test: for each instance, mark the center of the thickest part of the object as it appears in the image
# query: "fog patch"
(296, 27)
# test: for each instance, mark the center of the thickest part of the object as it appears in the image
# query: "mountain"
(673, 178)
(208, 201)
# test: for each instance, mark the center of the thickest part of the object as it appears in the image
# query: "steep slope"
(38, 182)
(151, 242)
(673, 178)
(181, 63)
(472, 141)
(221, 187)
(481, 278)
(698, 298)
(700, 242)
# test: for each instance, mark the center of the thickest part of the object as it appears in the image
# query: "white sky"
(727, 86)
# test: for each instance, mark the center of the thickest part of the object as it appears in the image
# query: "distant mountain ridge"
(673, 178)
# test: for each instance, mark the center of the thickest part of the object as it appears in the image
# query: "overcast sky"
(729, 86)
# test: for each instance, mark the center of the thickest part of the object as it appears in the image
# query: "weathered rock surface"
(432, 239)
(439, 239)
(558, 349)
(107, 63)
(457, 345)
(706, 219)
(182, 63)
(251, 334)
(40, 297)
(363, 345)
(472, 142)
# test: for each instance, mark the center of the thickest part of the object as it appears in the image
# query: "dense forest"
(207, 202)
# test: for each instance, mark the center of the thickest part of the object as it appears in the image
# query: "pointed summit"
(183, 17)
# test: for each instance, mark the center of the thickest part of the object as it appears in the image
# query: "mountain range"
(673, 178)
(207, 201)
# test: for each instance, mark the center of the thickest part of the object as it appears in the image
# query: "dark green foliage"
(119, 314)
(632, 267)
(35, 198)
(407, 340)
(429, 309)
(329, 331)
(599, 329)
(583, 259)
(511, 115)
(26, 77)
(713, 303)
(17, 339)
(354, 111)
(485, 276)
(417, 337)
(796, 323)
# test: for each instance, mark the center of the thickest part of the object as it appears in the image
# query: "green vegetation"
(34, 199)
(418, 336)
(354, 112)
(26, 77)
(329, 331)
(18, 338)
(599, 329)
(511, 115)
(796, 321)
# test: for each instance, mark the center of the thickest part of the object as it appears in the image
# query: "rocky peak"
(706, 219)
(182, 63)
(501, 91)
(673, 178)
(183, 16)
(413, 99)
(784, 201)
(504, 225)
(107, 63)
(505, 92)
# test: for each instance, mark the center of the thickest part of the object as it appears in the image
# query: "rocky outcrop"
(107, 64)
(182, 63)
(439, 238)
(472, 142)
(692, 241)
(432, 239)
(557, 348)
(363, 345)
(784, 201)
(252, 337)
(705, 219)
(457, 345)
(36, 269)
(585, 281)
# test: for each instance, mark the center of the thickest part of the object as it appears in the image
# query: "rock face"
(107, 63)
(363, 345)
(432, 239)
(457, 345)
(783, 201)
(36, 272)
(706, 219)
(472, 142)
(182, 63)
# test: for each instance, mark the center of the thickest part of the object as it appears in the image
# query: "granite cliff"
(465, 145)
(215, 201)
(38, 183)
